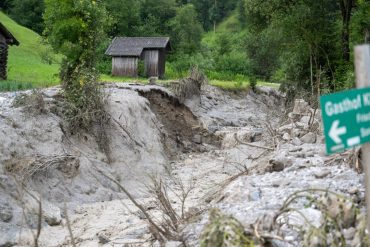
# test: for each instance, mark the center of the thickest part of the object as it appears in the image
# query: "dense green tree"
(125, 16)
(203, 8)
(242, 13)
(301, 37)
(346, 7)
(361, 22)
(186, 30)
(4, 5)
(28, 13)
(76, 28)
(211, 12)
(155, 16)
(221, 9)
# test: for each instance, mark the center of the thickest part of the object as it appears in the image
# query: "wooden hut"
(6, 39)
(127, 51)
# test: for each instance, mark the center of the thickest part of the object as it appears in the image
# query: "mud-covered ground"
(243, 153)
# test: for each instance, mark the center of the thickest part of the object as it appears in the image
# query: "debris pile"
(291, 192)
(258, 169)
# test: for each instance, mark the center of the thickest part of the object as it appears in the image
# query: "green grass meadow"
(28, 63)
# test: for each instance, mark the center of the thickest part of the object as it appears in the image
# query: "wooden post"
(362, 63)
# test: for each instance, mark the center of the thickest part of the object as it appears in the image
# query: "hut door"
(151, 63)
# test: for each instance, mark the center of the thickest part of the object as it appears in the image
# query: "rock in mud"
(280, 182)
(300, 218)
(103, 239)
(353, 190)
(286, 137)
(305, 120)
(6, 212)
(296, 142)
(322, 174)
(301, 107)
(174, 244)
(197, 139)
(279, 243)
(52, 214)
(2, 99)
(7, 244)
(255, 195)
(349, 233)
(278, 164)
(309, 138)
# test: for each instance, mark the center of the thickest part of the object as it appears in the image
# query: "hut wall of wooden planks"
(125, 66)
(6, 39)
(151, 62)
(126, 53)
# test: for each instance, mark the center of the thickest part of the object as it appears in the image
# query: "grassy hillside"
(28, 63)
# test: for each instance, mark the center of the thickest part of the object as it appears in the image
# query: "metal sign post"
(362, 63)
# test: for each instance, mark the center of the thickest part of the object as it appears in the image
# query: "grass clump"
(230, 85)
(338, 215)
(224, 231)
(191, 86)
(33, 103)
(6, 86)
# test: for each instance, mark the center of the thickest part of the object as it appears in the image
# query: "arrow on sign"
(335, 132)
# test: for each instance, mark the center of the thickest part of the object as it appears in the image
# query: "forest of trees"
(301, 44)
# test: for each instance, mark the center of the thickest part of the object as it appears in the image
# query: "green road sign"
(346, 118)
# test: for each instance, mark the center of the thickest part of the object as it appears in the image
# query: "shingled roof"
(10, 39)
(134, 46)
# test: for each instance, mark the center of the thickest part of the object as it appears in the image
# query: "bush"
(253, 82)
(183, 62)
(224, 230)
(33, 103)
(47, 55)
(104, 62)
(171, 73)
(141, 68)
(105, 66)
(226, 76)
(234, 63)
(344, 77)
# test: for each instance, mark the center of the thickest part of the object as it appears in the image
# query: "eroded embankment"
(183, 130)
(38, 159)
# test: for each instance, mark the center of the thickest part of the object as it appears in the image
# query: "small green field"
(240, 85)
(224, 84)
(32, 63)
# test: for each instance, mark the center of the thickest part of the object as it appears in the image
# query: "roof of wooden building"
(10, 39)
(134, 46)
